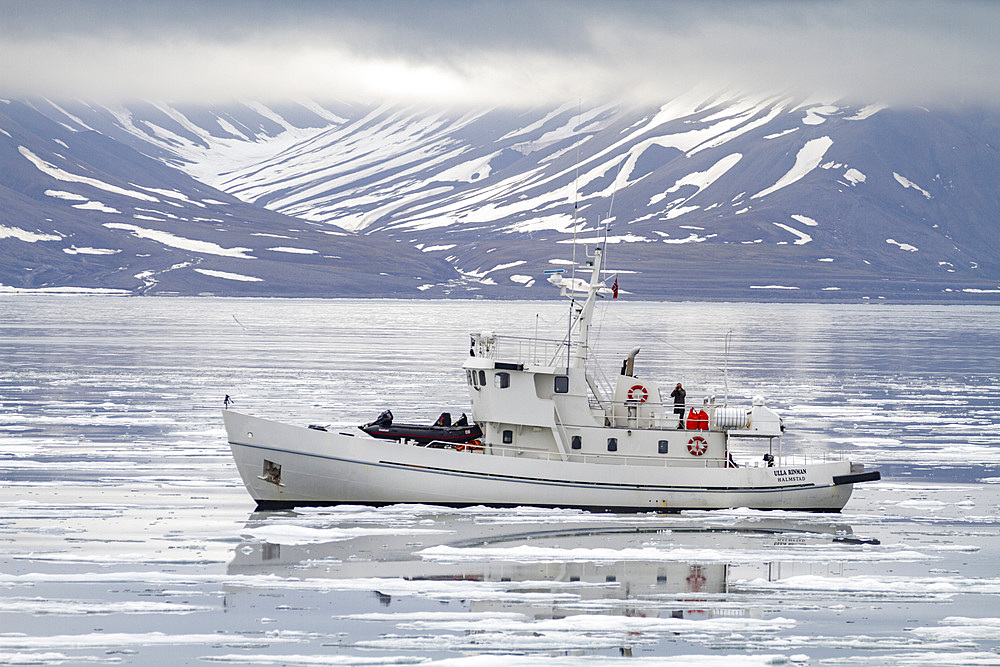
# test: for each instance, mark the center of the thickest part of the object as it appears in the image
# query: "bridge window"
(508, 437)
(662, 447)
(562, 384)
(482, 378)
(468, 376)
(612, 444)
(577, 442)
(502, 380)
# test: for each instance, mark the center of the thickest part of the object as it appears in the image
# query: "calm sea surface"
(126, 535)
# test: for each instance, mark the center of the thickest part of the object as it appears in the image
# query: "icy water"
(127, 537)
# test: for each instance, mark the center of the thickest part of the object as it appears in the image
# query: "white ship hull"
(284, 465)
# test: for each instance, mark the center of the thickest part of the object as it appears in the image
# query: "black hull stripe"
(601, 485)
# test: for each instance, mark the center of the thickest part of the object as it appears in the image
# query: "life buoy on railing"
(633, 396)
(697, 445)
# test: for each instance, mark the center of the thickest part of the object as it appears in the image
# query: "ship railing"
(789, 461)
(604, 459)
(628, 414)
(519, 349)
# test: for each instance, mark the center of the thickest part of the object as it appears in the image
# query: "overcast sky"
(503, 52)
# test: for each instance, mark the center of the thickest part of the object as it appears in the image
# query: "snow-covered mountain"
(82, 209)
(707, 198)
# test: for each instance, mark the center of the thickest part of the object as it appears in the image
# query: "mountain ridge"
(763, 198)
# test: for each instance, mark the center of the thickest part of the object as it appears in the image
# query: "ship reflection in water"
(544, 564)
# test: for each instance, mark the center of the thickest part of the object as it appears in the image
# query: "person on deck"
(678, 394)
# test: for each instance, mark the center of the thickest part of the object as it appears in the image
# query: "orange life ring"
(697, 445)
(645, 394)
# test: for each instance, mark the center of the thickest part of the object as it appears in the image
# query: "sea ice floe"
(114, 559)
(323, 659)
(111, 639)
(292, 535)
(666, 553)
(961, 628)
(600, 624)
(912, 658)
(880, 585)
(53, 607)
(571, 632)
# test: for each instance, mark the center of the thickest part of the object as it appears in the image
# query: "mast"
(577, 350)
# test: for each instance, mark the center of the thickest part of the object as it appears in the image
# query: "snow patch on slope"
(55, 172)
(802, 239)
(907, 183)
(807, 159)
(25, 235)
(226, 275)
(902, 246)
(854, 176)
(700, 180)
(180, 242)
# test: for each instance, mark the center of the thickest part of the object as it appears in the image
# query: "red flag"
(614, 289)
